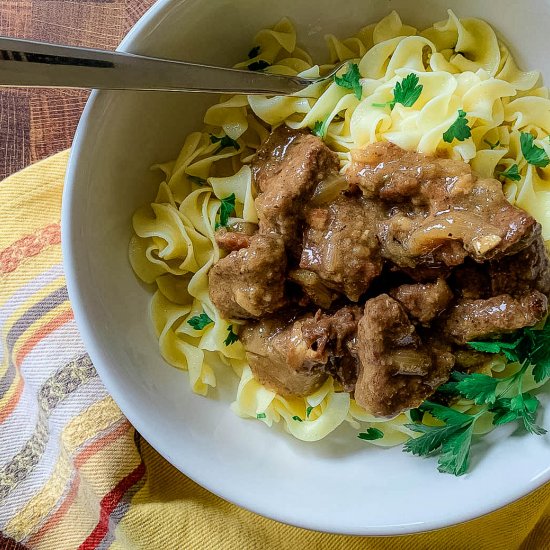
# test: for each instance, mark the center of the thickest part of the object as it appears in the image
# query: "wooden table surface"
(36, 123)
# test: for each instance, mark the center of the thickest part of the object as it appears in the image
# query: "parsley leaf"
(416, 415)
(539, 355)
(319, 129)
(512, 173)
(308, 411)
(371, 434)
(459, 129)
(350, 80)
(407, 91)
(491, 145)
(232, 337)
(198, 322)
(523, 406)
(506, 348)
(455, 451)
(480, 388)
(227, 207)
(259, 416)
(453, 439)
(254, 52)
(533, 155)
(259, 65)
(224, 141)
(297, 418)
(196, 179)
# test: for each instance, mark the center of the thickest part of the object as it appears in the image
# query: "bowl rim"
(148, 21)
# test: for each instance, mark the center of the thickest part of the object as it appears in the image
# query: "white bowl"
(339, 484)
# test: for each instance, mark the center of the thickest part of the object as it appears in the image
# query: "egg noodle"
(460, 63)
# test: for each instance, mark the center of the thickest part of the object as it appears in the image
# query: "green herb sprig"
(224, 141)
(351, 80)
(511, 174)
(459, 129)
(533, 154)
(405, 92)
(232, 337)
(227, 207)
(371, 434)
(504, 397)
(198, 322)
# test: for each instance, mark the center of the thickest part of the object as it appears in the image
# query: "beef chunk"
(232, 240)
(341, 247)
(313, 288)
(471, 280)
(397, 371)
(280, 358)
(287, 169)
(469, 360)
(249, 282)
(528, 269)
(469, 320)
(332, 332)
(423, 302)
(438, 211)
(293, 358)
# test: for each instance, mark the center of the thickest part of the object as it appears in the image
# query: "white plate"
(340, 484)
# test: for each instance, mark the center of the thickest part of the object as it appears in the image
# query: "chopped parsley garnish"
(232, 337)
(504, 397)
(196, 179)
(259, 416)
(297, 418)
(351, 80)
(459, 129)
(319, 129)
(259, 65)
(254, 52)
(533, 154)
(480, 388)
(452, 439)
(511, 174)
(416, 415)
(405, 92)
(491, 145)
(308, 411)
(198, 322)
(371, 434)
(227, 208)
(224, 141)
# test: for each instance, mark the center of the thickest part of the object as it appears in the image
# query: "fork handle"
(30, 63)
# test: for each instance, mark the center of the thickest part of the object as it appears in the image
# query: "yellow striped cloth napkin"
(73, 471)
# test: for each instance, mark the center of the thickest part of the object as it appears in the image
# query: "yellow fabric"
(163, 508)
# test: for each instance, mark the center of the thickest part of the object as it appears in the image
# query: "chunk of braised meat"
(439, 212)
(469, 320)
(469, 360)
(249, 283)
(313, 288)
(287, 169)
(341, 247)
(527, 269)
(471, 280)
(397, 370)
(280, 359)
(423, 302)
(232, 240)
(293, 358)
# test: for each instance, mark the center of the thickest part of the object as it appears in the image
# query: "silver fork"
(29, 63)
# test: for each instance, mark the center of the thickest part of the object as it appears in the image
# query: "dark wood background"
(36, 123)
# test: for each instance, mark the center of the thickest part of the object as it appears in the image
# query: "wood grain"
(37, 123)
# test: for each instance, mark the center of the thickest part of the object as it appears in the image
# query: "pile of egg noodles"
(460, 63)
